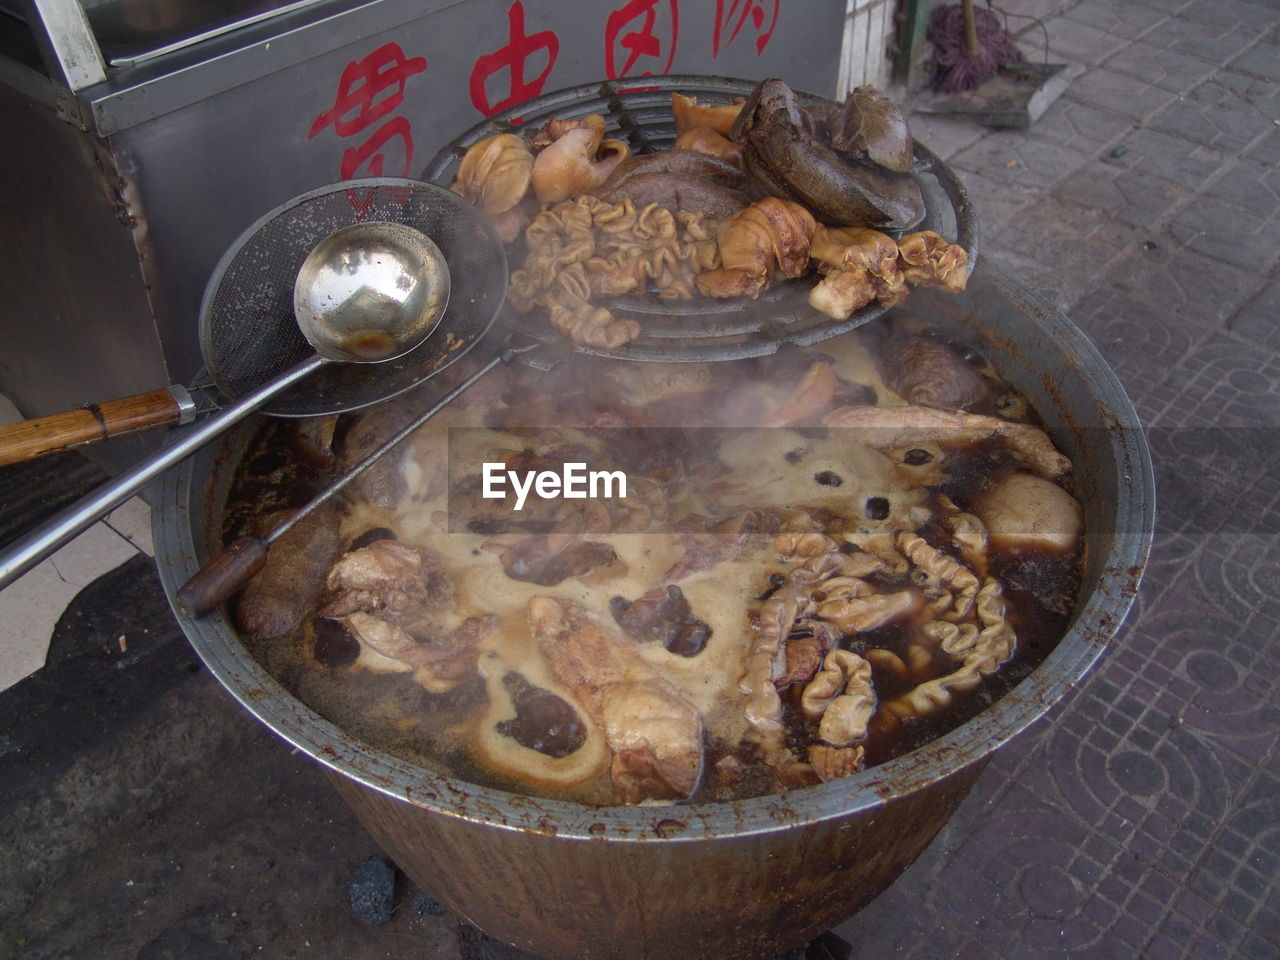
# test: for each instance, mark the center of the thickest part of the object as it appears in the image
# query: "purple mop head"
(956, 69)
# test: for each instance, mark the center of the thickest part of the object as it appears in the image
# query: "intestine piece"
(763, 706)
(969, 534)
(984, 652)
(949, 573)
(841, 698)
(952, 638)
(868, 612)
(655, 735)
(584, 248)
(891, 428)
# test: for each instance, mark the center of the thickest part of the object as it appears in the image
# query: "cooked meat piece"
(446, 656)
(925, 371)
(285, 589)
(888, 428)
(832, 763)
(543, 721)
(684, 163)
(547, 559)
(363, 432)
(805, 647)
(781, 151)
(662, 615)
(494, 173)
(813, 394)
(713, 144)
(731, 538)
(390, 579)
(577, 160)
(334, 645)
(841, 292)
(767, 240)
(676, 191)
(928, 260)
(872, 127)
(654, 733)
(689, 114)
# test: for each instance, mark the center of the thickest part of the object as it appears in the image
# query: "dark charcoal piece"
(877, 508)
(543, 721)
(371, 890)
(425, 906)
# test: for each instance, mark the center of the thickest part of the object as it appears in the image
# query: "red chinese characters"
(732, 17)
(512, 58)
(640, 33)
(370, 91)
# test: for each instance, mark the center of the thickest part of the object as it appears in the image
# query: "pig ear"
(570, 166)
(688, 114)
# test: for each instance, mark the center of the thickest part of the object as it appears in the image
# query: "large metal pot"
(747, 879)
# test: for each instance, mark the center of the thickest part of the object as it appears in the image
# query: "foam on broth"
(453, 728)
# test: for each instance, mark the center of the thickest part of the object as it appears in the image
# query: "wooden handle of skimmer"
(220, 580)
(92, 423)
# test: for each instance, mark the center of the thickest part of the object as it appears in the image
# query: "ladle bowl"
(371, 292)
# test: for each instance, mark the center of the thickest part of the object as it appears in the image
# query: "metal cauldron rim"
(1094, 627)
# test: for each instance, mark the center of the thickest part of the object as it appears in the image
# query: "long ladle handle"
(223, 577)
(95, 422)
(48, 537)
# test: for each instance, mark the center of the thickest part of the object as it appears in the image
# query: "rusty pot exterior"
(754, 877)
(682, 893)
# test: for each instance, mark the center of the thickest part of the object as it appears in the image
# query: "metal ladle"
(367, 293)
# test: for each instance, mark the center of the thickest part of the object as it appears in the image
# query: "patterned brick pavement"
(1143, 817)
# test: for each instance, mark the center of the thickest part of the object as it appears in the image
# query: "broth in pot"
(632, 582)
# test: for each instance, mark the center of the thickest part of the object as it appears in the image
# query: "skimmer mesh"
(247, 329)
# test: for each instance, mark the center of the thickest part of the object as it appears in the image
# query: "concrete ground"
(145, 817)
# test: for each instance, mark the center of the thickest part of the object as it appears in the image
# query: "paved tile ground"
(1142, 818)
